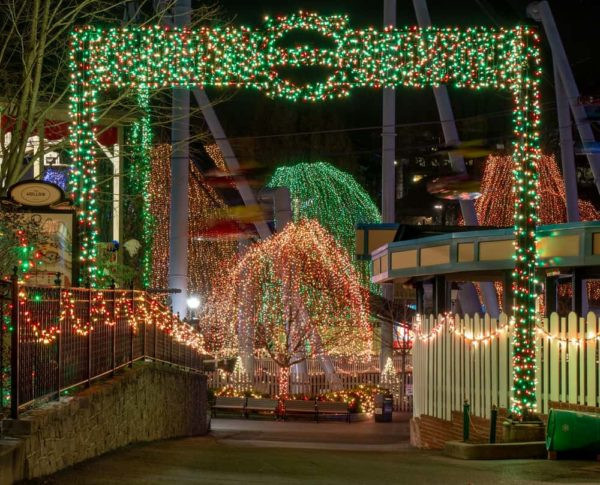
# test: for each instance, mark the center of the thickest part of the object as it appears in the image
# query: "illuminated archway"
(478, 58)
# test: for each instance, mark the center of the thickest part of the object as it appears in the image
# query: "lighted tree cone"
(301, 297)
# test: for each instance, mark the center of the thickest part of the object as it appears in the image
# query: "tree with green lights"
(322, 192)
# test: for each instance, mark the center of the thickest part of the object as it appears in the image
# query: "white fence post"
(470, 358)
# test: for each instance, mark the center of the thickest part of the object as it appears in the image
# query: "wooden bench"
(257, 405)
(229, 404)
(293, 406)
(336, 408)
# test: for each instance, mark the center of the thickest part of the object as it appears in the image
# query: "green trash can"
(570, 430)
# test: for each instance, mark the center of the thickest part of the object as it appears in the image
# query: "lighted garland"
(132, 309)
(477, 58)
(322, 192)
(296, 293)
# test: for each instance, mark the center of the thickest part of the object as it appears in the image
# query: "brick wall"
(430, 432)
(146, 403)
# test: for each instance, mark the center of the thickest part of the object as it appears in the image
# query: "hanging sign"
(33, 193)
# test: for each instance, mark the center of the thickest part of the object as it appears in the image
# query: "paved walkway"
(267, 452)
(360, 436)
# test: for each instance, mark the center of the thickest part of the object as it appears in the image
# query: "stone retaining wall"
(146, 403)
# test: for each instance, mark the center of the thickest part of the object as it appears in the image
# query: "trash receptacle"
(570, 430)
(384, 404)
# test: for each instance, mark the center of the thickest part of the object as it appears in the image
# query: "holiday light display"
(141, 141)
(132, 307)
(359, 399)
(476, 58)
(388, 374)
(296, 293)
(322, 192)
(205, 257)
(494, 207)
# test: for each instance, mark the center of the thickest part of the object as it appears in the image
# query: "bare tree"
(34, 71)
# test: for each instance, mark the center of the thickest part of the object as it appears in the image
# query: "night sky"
(250, 119)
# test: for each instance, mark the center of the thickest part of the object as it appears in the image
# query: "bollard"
(493, 419)
(466, 410)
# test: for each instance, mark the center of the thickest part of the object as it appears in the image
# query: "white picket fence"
(351, 374)
(457, 359)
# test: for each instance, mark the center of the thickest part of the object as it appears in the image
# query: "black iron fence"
(54, 339)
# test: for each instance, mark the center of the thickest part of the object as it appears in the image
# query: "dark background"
(273, 132)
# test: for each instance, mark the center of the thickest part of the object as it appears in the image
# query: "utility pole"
(388, 181)
(180, 159)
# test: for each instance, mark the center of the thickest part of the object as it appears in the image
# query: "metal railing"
(55, 339)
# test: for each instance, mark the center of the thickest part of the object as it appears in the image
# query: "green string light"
(321, 191)
(141, 141)
(477, 58)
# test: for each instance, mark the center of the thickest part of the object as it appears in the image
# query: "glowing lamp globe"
(193, 302)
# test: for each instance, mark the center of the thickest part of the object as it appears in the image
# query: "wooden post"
(550, 295)
(577, 301)
(439, 295)
(420, 298)
(507, 294)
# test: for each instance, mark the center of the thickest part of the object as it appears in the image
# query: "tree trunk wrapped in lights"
(301, 296)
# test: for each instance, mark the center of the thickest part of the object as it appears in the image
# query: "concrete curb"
(496, 451)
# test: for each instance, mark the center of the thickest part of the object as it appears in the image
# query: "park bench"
(333, 408)
(292, 406)
(229, 404)
(257, 405)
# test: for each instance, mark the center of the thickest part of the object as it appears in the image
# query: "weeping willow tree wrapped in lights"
(495, 206)
(322, 192)
(296, 295)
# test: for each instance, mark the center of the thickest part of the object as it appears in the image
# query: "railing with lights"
(56, 339)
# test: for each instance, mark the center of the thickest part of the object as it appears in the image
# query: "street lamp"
(193, 302)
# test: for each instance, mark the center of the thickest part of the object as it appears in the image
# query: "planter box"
(518, 432)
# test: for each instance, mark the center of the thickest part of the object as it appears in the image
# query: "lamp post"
(193, 303)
